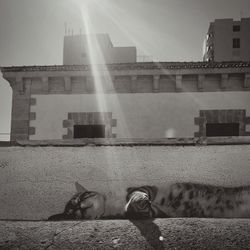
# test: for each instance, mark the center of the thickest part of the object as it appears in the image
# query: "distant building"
(228, 40)
(76, 50)
(137, 100)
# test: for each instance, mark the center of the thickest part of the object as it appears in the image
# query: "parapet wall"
(36, 182)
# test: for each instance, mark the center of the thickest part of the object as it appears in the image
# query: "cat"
(188, 200)
(144, 202)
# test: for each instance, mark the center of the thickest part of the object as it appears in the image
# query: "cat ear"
(80, 188)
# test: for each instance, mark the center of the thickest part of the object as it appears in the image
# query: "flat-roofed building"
(135, 100)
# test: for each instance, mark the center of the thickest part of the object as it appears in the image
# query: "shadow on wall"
(151, 232)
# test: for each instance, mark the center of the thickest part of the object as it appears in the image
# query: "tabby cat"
(177, 200)
(188, 200)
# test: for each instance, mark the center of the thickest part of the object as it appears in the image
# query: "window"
(236, 28)
(236, 43)
(222, 129)
(89, 131)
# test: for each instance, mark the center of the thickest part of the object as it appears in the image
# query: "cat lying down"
(176, 200)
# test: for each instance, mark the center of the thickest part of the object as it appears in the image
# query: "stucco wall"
(146, 115)
(35, 182)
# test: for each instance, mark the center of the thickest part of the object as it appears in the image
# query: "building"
(137, 100)
(76, 50)
(228, 40)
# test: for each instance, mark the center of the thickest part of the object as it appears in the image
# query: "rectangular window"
(222, 129)
(89, 131)
(236, 28)
(236, 43)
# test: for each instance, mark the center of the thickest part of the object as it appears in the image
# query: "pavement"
(170, 233)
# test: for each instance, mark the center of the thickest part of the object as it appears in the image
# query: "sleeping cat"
(188, 200)
(177, 200)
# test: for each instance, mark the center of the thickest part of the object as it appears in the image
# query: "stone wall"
(36, 182)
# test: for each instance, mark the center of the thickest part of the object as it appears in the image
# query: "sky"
(32, 31)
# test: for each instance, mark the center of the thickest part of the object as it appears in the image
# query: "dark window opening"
(236, 43)
(236, 28)
(222, 129)
(89, 131)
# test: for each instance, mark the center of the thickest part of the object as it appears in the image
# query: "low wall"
(160, 234)
(36, 182)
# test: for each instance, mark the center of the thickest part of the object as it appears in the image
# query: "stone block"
(67, 83)
(247, 120)
(45, 83)
(32, 116)
(32, 130)
(68, 123)
(15, 137)
(32, 101)
(224, 81)
(201, 79)
(247, 81)
(20, 124)
(114, 123)
(178, 82)
(15, 129)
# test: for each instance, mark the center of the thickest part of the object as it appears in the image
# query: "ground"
(171, 233)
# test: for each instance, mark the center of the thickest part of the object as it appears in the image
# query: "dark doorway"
(222, 129)
(89, 131)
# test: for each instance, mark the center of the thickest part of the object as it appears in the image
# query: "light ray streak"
(97, 61)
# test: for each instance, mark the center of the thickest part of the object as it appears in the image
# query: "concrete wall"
(223, 39)
(146, 115)
(36, 182)
(245, 38)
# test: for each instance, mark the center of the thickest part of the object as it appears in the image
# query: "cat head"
(139, 200)
(82, 205)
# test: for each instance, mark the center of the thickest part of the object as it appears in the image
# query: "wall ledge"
(173, 233)
(196, 141)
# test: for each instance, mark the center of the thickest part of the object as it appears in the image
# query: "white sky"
(31, 31)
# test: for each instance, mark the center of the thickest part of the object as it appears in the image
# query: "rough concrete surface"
(36, 182)
(123, 234)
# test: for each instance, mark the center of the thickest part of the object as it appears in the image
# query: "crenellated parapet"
(130, 78)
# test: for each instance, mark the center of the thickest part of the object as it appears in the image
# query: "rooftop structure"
(82, 49)
(228, 40)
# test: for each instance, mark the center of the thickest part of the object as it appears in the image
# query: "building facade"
(96, 48)
(136, 100)
(228, 40)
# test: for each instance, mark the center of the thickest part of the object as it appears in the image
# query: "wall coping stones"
(195, 141)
